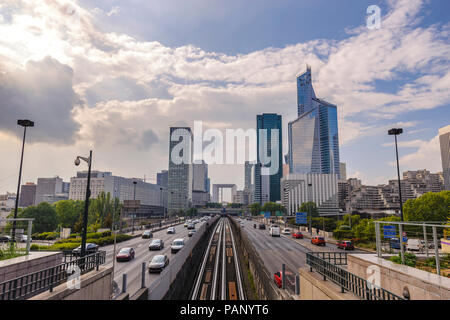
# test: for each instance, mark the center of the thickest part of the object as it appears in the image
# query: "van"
(414, 245)
(274, 231)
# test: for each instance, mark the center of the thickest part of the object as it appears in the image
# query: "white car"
(287, 231)
(177, 245)
(274, 231)
(414, 245)
(170, 230)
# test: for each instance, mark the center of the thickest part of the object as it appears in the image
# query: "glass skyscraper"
(313, 136)
(268, 121)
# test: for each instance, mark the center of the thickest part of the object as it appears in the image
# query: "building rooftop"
(444, 130)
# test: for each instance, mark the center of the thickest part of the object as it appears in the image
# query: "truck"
(274, 231)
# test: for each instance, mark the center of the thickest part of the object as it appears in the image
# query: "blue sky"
(120, 72)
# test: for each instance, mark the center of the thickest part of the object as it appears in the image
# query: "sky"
(113, 75)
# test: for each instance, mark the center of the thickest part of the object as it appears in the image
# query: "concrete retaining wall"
(94, 285)
(422, 285)
(35, 261)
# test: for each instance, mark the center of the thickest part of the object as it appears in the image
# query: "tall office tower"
(313, 136)
(200, 176)
(343, 170)
(27, 195)
(248, 175)
(305, 92)
(180, 169)
(48, 187)
(269, 121)
(444, 139)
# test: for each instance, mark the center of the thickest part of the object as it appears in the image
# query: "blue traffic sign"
(389, 232)
(267, 214)
(300, 217)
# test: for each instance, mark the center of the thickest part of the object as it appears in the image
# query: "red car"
(346, 245)
(318, 241)
(297, 235)
(277, 278)
(125, 254)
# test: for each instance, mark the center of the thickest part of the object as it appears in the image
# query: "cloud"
(113, 12)
(43, 93)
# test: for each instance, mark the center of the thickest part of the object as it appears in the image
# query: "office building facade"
(444, 140)
(27, 195)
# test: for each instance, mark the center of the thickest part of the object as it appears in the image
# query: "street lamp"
(134, 205)
(24, 124)
(161, 200)
(86, 202)
(309, 207)
(394, 132)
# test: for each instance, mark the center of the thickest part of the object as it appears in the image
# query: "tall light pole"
(86, 202)
(134, 205)
(309, 207)
(161, 200)
(24, 124)
(394, 132)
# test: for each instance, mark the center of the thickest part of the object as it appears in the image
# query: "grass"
(11, 252)
(252, 282)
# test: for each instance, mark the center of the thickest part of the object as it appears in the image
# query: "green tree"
(432, 206)
(272, 207)
(255, 208)
(191, 212)
(45, 218)
(309, 207)
(68, 212)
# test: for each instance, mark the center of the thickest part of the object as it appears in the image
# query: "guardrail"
(322, 263)
(34, 283)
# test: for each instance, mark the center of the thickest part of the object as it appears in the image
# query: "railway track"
(219, 277)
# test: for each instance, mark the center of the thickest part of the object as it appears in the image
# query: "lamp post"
(24, 124)
(394, 132)
(86, 202)
(134, 205)
(161, 200)
(309, 208)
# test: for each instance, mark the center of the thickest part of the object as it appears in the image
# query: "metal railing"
(34, 283)
(322, 263)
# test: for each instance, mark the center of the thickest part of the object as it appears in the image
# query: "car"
(147, 234)
(5, 238)
(90, 248)
(262, 226)
(394, 243)
(346, 245)
(125, 254)
(277, 277)
(414, 245)
(191, 233)
(24, 238)
(286, 231)
(158, 263)
(170, 230)
(156, 244)
(297, 235)
(274, 231)
(191, 226)
(177, 245)
(318, 241)
(185, 224)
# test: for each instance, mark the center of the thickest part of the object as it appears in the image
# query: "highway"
(133, 268)
(274, 251)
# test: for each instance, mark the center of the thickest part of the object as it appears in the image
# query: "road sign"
(278, 213)
(300, 217)
(267, 214)
(389, 232)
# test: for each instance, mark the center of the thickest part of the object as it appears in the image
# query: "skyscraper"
(180, 169)
(269, 121)
(313, 136)
(200, 176)
(444, 139)
(248, 175)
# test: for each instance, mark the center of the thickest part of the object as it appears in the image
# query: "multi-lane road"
(274, 251)
(133, 268)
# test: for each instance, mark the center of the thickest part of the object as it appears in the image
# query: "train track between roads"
(220, 276)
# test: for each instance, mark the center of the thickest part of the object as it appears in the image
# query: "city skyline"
(128, 129)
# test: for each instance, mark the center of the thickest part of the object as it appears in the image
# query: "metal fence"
(34, 283)
(322, 262)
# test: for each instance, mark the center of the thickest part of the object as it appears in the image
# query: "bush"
(46, 236)
(343, 234)
(410, 259)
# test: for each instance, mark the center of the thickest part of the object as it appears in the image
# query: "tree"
(102, 209)
(45, 218)
(309, 207)
(68, 212)
(191, 212)
(255, 208)
(432, 206)
(272, 207)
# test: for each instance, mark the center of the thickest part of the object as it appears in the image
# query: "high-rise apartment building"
(180, 169)
(27, 195)
(444, 140)
(50, 190)
(272, 123)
